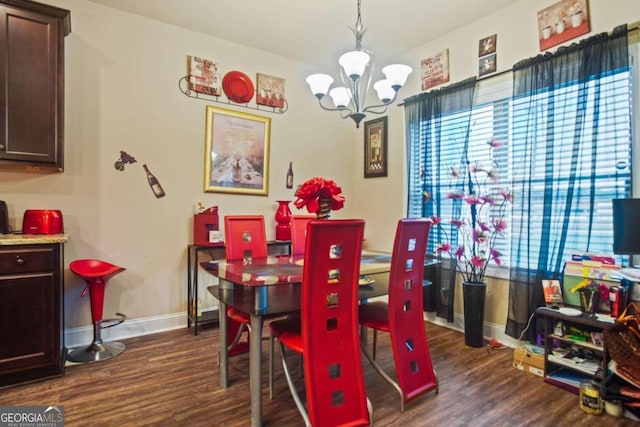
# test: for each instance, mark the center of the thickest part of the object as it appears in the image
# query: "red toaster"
(42, 222)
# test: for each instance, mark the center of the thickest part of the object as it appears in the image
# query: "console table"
(216, 251)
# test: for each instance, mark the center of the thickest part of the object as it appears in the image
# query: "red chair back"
(332, 363)
(245, 236)
(299, 233)
(406, 323)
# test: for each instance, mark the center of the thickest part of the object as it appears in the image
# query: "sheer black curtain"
(426, 139)
(561, 114)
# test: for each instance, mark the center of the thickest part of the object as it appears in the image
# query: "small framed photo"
(270, 91)
(487, 45)
(236, 152)
(487, 64)
(375, 148)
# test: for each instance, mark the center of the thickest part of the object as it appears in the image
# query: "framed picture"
(487, 45)
(435, 69)
(375, 148)
(236, 152)
(270, 91)
(203, 76)
(487, 64)
(562, 21)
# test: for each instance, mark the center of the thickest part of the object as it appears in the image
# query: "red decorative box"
(202, 224)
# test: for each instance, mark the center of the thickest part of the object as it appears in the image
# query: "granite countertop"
(32, 239)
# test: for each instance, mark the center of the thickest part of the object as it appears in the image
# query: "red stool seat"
(96, 273)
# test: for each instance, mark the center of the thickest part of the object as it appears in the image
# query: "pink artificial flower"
(457, 222)
(476, 261)
(494, 143)
(455, 172)
(475, 167)
(435, 220)
(483, 226)
(454, 196)
(506, 194)
(443, 247)
(500, 225)
(459, 252)
(493, 175)
(472, 199)
(496, 256)
(488, 200)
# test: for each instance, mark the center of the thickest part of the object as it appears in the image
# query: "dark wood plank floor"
(171, 379)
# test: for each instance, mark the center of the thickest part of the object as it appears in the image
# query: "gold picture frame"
(375, 148)
(236, 152)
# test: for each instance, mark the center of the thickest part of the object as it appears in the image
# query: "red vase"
(283, 217)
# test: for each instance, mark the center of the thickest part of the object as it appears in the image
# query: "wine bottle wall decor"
(157, 189)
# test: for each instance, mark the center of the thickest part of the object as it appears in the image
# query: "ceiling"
(316, 31)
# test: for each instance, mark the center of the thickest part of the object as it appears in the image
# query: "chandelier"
(356, 70)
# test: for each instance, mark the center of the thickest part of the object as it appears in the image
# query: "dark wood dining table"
(267, 286)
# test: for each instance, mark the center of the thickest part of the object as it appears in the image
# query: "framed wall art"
(487, 64)
(435, 69)
(561, 22)
(236, 152)
(375, 148)
(487, 45)
(270, 91)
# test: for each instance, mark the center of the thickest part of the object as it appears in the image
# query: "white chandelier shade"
(356, 68)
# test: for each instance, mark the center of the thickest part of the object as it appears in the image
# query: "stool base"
(96, 352)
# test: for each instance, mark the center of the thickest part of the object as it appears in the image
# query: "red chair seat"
(288, 332)
(90, 268)
(374, 315)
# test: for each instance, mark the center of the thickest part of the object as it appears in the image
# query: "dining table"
(271, 286)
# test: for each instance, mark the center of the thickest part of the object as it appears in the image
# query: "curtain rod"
(634, 26)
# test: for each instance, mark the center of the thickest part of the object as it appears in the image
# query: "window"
(543, 136)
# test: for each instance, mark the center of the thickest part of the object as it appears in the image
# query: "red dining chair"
(326, 332)
(402, 316)
(245, 237)
(299, 232)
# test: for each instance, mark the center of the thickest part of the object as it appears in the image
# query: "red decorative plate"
(238, 87)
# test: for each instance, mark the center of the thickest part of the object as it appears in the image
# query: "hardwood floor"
(171, 379)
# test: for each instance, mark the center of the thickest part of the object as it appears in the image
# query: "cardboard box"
(528, 361)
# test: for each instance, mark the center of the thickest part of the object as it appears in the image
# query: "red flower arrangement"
(317, 189)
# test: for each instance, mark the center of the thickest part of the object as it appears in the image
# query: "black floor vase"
(473, 298)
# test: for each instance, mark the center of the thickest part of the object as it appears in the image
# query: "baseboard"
(76, 337)
(489, 330)
(81, 336)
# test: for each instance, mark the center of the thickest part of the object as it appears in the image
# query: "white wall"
(122, 75)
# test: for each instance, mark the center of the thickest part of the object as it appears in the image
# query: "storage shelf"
(585, 344)
(562, 372)
(575, 366)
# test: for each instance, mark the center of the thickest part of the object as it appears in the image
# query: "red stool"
(96, 273)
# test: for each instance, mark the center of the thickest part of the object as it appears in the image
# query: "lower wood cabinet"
(31, 313)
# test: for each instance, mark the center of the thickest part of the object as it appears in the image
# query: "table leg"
(255, 378)
(223, 355)
(189, 284)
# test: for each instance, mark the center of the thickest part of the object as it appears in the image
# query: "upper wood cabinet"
(32, 85)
